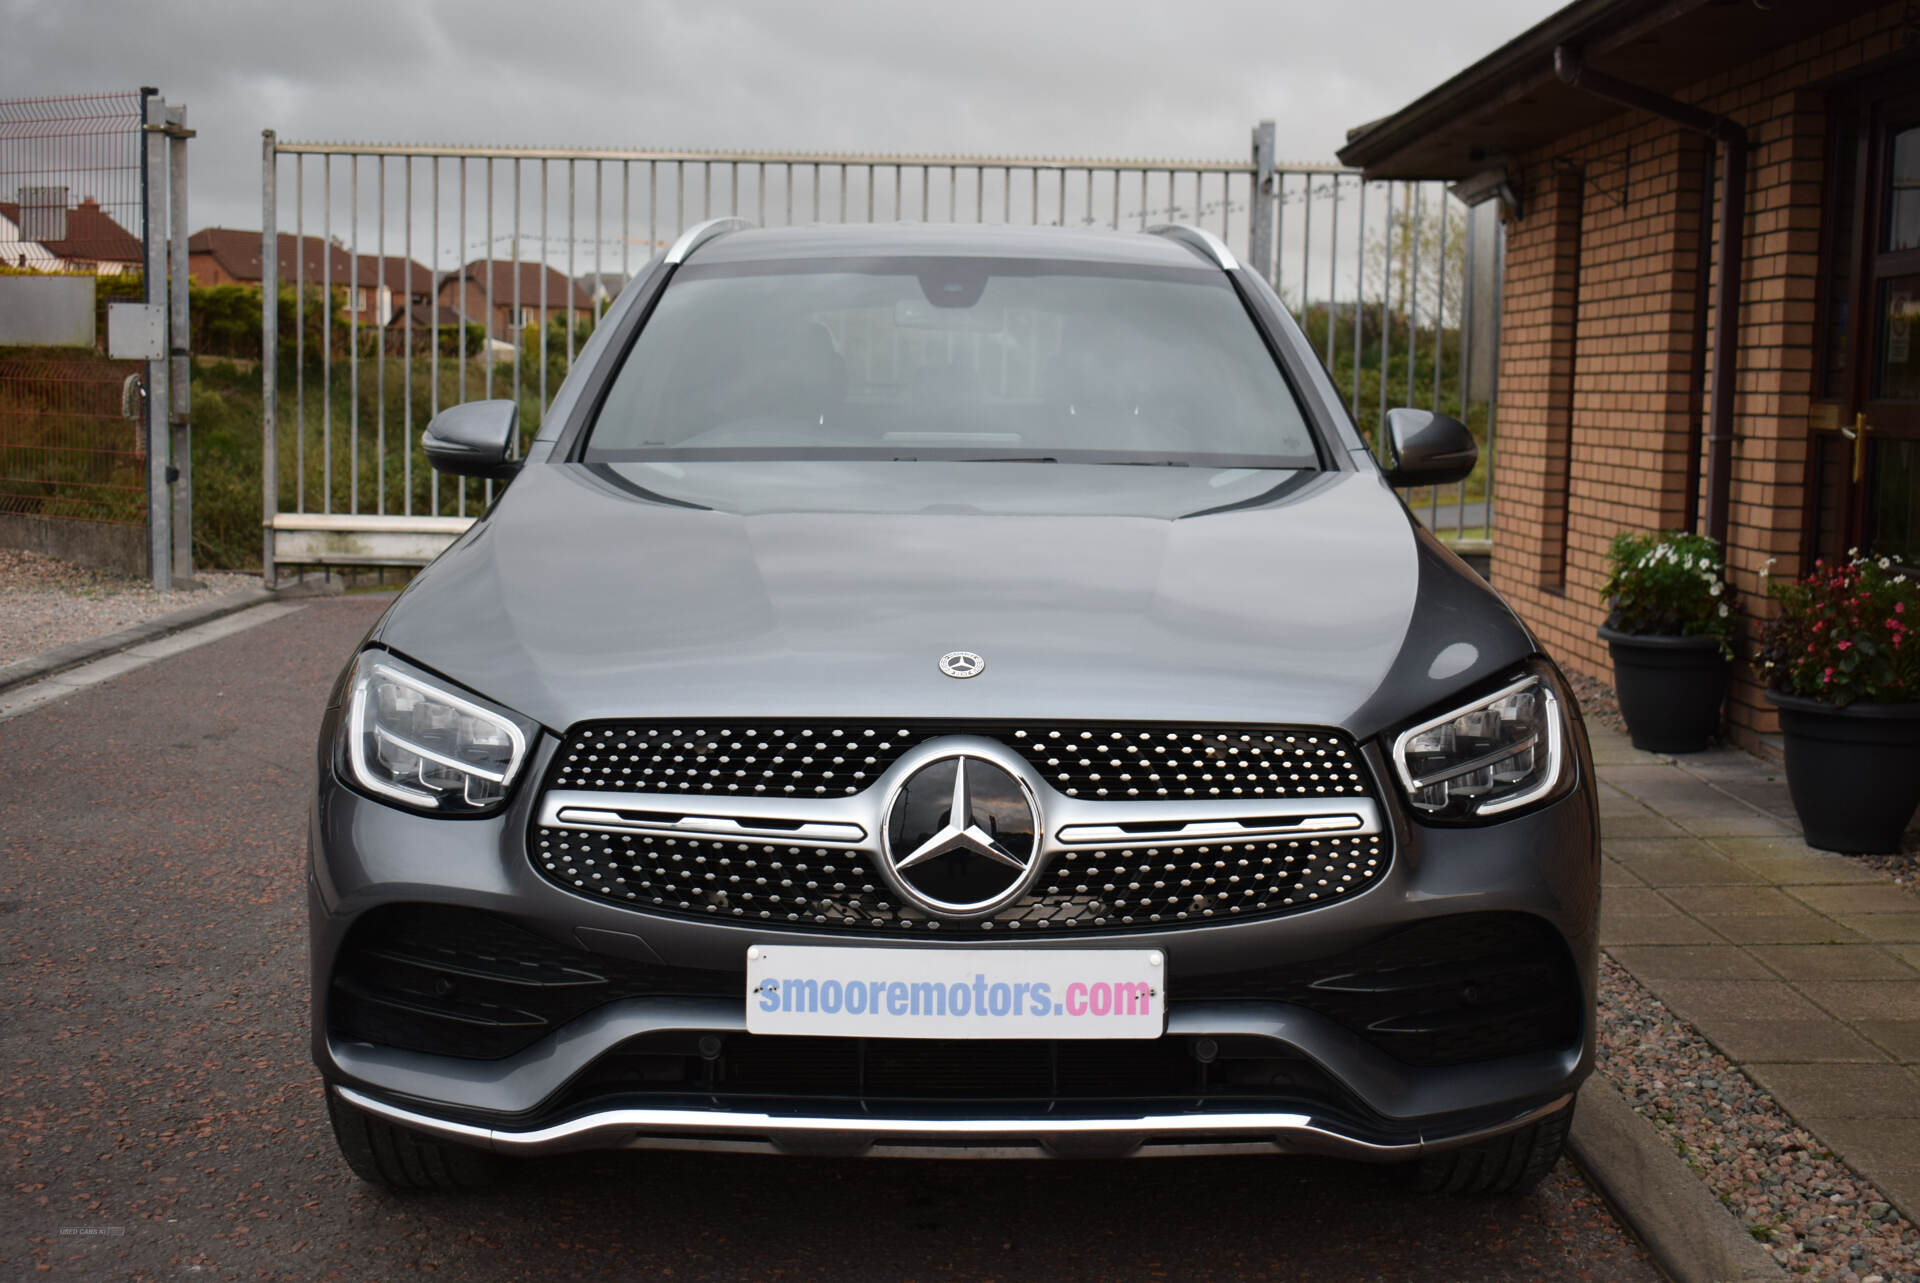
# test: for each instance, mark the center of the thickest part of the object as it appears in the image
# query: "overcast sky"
(1170, 79)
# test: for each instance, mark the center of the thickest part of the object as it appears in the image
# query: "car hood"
(832, 590)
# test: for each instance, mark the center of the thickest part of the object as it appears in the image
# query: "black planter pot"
(1854, 772)
(1670, 689)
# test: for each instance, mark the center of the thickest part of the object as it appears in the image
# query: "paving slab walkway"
(1800, 966)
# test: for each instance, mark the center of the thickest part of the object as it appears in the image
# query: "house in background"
(487, 293)
(1605, 132)
(602, 287)
(83, 238)
(19, 252)
(375, 288)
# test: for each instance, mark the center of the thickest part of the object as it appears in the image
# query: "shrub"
(1670, 584)
(1845, 634)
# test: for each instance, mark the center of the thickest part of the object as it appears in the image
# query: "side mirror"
(1428, 449)
(474, 439)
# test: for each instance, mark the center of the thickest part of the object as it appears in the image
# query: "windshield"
(951, 358)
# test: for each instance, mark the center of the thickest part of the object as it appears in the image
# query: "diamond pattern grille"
(817, 888)
(1083, 890)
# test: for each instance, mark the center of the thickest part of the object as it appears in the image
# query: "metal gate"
(408, 278)
(92, 211)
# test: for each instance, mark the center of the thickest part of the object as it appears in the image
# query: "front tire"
(1511, 1164)
(383, 1153)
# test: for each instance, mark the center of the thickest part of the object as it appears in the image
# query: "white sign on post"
(136, 331)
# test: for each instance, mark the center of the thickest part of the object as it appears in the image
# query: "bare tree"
(1417, 261)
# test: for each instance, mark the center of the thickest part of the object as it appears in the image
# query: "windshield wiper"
(1011, 458)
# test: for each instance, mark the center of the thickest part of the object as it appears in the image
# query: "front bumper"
(982, 1137)
(1542, 864)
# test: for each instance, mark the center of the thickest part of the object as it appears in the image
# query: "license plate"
(956, 993)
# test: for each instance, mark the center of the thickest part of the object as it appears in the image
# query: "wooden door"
(1876, 473)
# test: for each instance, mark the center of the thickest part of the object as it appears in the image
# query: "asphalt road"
(159, 1117)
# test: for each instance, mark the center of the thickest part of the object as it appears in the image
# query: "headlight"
(409, 738)
(1494, 755)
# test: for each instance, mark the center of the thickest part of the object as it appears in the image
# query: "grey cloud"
(995, 76)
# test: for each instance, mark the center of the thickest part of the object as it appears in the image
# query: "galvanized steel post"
(269, 354)
(1260, 207)
(159, 400)
(179, 382)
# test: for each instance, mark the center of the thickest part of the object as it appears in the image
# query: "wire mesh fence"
(68, 447)
(72, 204)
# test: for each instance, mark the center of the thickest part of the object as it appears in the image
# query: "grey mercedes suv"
(946, 690)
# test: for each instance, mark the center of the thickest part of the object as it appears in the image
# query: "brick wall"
(1597, 386)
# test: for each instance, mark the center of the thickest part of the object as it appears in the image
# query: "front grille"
(932, 1076)
(458, 982)
(1451, 991)
(1089, 890)
(1115, 888)
(832, 758)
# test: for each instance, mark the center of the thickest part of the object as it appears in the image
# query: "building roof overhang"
(1511, 102)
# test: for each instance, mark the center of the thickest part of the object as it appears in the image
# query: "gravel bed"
(1815, 1216)
(1903, 867)
(46, 602)
(1597, 702)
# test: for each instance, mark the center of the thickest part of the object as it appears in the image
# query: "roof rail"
(699, 234)
(1200, 241)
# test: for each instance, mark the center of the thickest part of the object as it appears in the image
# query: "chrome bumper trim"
(983, 1137)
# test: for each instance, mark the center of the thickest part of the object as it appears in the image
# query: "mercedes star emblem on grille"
(962, 663)
(962, 837)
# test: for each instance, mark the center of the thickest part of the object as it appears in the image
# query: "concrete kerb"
(1692, 1236)
(61, 658)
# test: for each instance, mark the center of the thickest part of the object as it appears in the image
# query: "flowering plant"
(1845, 634)
(1673, 585)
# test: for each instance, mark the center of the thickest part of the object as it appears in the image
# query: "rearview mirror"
(473, 440)
(1428, 449)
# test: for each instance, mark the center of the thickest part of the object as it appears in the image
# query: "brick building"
(487, 293)
(83, 238)
(374, 289)
(1606, 133)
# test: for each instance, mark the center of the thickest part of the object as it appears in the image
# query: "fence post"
(180, 346)
(269, 356)
(159, 402)
(1260, 207)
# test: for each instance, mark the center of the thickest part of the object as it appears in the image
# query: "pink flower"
(1846, 645)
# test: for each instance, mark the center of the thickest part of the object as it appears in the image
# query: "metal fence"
(93, 374)
(408, 278)
(71, 204)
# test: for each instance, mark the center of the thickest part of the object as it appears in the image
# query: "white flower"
(1853, 552)
(1886, 563)
(1716, 590)
(1723, 610)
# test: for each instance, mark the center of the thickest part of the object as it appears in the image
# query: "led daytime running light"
(481, 785)
(1538, 779)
